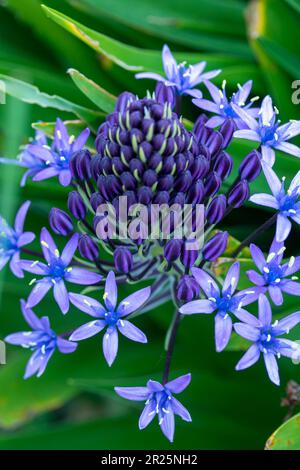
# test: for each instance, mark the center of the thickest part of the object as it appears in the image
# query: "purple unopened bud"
(144, 195)
(123, 260)
(216, 246)
(227, 129)
(196, 193)
(214, 143)
(161, 197)
(223, 165)
(199, 127)
(250, 167)
(184, 181)
(60, 222)
(200, 167)
(212, 184)
(165, 94)
(123, 101)
(187, 289)
(172, 250)
(216, 209)
(189, 253)
(96, 200)
(88, 248)
(96, 166)
(76, 205)
(80, 165)
(239, 194)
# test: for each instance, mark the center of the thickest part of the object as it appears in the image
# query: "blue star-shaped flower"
(264, 335)
(159, 401)
(111, 317)
(222, 303)
(43, 341)
(183, 78)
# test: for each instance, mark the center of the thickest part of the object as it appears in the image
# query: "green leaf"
(31, 94)
(217, 25)
(129, 57)
(287, 436)
(294, 4)
(100, 97)
(277, 49)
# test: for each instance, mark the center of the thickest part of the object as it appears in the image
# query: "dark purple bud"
(126, 153)
(106, 165)
(157, 111)
(170, 147)
(155, 161)
(214, 143)
(148, 127)
(250, 167)
(227, 129)
(80, 165)
(131, 198)
(223, 165)
(172, 250)
(123, 101)
(101, 185)
(76, 205)
(128, 181)
(149, 178)
(113, 186)
(145, 151)
(239, 194)
(200, 167)
(187, 289)
(136, 137)
(135, 119)
(136, 167)
(165, 183)
(203, 135)
(189, 253)
(212, 184)
(196, 193)
(158, 141)
(162, 197)
(183, 182)
(169, 164)
(88, 248)
(216, 209)
(96, 200)
(123, 260)
(181, 163)
(112, 149)
(117, 166)
(180, 199)
(165, 94)
(96, 168)
(60, 222)
(216, 246)
(199, 126)
(144, 195)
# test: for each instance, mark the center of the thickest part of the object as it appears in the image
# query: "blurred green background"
(73, 405)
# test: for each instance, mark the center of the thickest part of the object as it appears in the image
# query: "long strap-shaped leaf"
(31, 94)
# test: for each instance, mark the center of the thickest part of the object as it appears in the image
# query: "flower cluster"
(145, 152)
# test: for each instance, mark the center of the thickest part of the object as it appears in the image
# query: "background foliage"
(73, 405)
